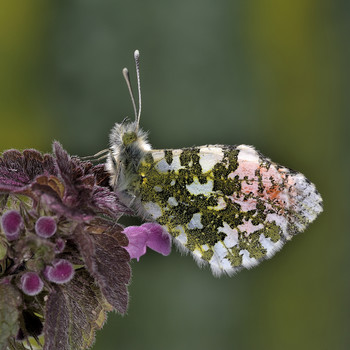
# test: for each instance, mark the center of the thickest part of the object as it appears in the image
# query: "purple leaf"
(74, 311)
(17, 169)
(107, 262)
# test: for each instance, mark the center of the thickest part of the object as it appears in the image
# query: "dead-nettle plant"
(64, 258)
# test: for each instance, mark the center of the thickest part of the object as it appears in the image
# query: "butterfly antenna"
(137, 62)
(128, 83)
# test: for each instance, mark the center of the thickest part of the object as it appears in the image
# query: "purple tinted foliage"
(83, 197)
(75, 197)
(70, 206)
(61, 271)
(71, 318)
(107, 261)
(12, 223)
(18, 170)
(150, 235)
(31, 283)
(45, 227)
(65, 184)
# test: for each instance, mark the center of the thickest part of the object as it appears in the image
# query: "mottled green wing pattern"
(228, 205)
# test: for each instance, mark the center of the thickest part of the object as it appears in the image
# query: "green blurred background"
(274, 74)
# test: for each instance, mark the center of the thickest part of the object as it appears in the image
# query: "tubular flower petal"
(150, 235)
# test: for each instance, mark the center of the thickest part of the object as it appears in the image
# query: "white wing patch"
(247, 154)
(163, 166)
(197, 188)
(195, 222)
(231, 238)
(209, 157)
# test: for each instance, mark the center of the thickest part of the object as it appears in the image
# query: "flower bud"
(31, 283)
(61, 271)
(12, 223)
(60, 245)
(45, 227)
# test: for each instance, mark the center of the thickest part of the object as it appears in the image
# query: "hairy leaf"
(74, 311)
(107, 261)
(113, 271)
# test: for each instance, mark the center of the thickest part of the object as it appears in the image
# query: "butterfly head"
(125, 134)
(129, 138)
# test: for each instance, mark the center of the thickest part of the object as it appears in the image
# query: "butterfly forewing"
(228, 205)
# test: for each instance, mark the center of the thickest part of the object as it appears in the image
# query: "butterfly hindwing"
(228, 205)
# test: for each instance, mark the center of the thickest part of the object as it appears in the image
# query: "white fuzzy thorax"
(128, 146)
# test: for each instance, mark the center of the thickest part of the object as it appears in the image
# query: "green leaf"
(74, 311)
(10, 299)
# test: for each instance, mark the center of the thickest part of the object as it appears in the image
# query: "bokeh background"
(274, 74)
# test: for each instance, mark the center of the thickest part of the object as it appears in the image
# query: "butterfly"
(229, 206)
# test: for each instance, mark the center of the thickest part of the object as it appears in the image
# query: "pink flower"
(150, 235)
